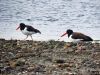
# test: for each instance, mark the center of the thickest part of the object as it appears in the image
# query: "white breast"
(25, 32)
(74, 40)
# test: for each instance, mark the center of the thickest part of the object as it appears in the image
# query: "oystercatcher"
(77, 35)
(28, 30)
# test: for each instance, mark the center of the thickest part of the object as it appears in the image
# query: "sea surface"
(51, 17)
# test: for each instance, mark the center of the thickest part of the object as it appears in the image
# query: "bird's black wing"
(84, 37)
(32, 29)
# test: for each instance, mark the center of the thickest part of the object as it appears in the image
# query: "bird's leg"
(31, 37)
(26, 37)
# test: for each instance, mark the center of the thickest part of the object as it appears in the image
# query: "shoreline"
(94, 41)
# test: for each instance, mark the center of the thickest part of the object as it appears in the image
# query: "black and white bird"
(77, 36)
(27, 30)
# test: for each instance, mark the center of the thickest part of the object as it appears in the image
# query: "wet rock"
(67, 45)
(81, 47)
(89, 71)
(31, 68)
(20, 62)
(59, 61)
(65, 65)
(36, 68)
(83, 71)
(94, 71)
(12, 64)
(11, 55)
(96, 55)
(6, 69)
(89, 63)
(28, 19)
(70, 73)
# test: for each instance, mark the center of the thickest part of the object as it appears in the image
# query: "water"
(51, 17)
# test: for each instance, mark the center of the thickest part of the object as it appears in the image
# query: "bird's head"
(69, 32)
(21, 26)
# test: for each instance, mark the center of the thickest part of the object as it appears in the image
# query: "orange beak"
(18, 28)
(64, 34)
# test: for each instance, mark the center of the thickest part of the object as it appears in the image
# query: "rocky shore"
(19, 57)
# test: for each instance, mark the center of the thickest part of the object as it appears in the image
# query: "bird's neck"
(69, 35)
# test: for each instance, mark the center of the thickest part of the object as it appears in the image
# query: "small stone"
(31, 68)
(11, 54)
(12, 64)
(20, 62)
(59, 61)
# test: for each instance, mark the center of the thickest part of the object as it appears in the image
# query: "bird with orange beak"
(27, 30)
(77, 35)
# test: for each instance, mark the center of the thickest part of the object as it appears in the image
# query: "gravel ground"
(19, 57)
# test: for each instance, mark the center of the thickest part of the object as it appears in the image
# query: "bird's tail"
(38, 31)
(88, 39)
